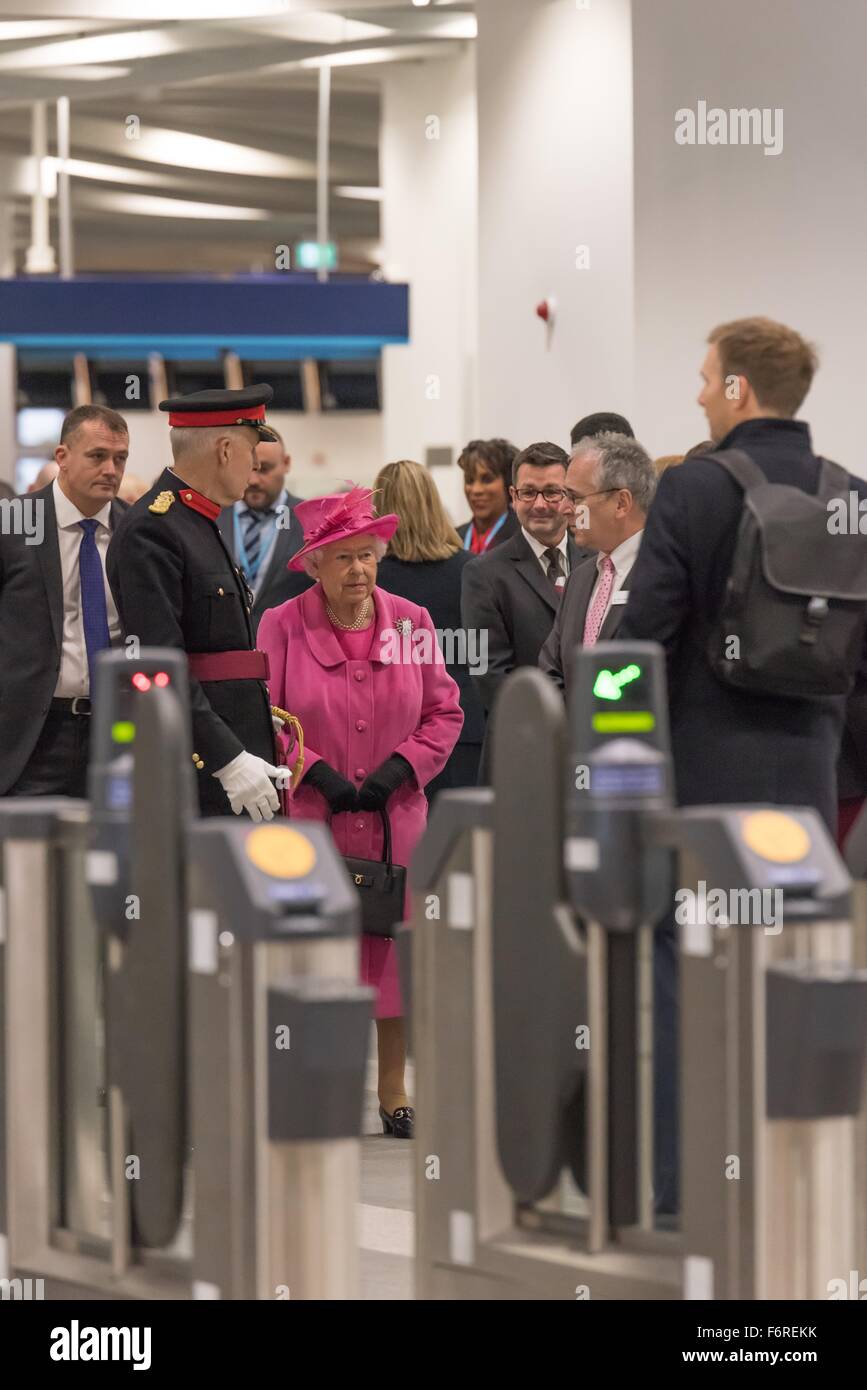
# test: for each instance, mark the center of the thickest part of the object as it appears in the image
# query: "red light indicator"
(141, 681)
(161, 678)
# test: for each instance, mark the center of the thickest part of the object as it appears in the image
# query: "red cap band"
(183, 418)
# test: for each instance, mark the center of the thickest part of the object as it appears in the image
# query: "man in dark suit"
(728, 746)
(512, 593)
(176, 585)
(262, 532)
(610, 481)
(56, 610)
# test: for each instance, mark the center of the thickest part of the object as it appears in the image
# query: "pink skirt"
(379, 969)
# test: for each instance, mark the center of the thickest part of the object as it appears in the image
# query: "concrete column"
(555, 214)
(40, 259)
(429, 179)
(7, 240)
(8, 412)
(724, 229)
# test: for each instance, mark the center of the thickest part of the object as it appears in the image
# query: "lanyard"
(468, 538)
(267, 535)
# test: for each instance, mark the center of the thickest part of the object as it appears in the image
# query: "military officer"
(176, 585)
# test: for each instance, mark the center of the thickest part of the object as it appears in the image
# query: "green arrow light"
(609, 684)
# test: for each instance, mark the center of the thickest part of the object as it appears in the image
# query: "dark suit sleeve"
(146, 578)
(660, 594)
(551, 655)
(480, 610)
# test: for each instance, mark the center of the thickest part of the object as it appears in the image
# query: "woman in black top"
(424, 563)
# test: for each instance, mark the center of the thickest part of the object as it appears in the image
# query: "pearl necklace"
(359, 622)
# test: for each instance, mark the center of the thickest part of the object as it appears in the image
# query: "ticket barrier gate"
(532, 1019)
(183, 1036)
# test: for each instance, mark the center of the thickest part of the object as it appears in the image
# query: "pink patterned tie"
(598, 608)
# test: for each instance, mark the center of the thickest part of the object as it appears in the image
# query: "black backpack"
(796, 597)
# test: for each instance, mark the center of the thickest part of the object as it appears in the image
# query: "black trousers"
(58, 764)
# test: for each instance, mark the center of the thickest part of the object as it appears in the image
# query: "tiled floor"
(386, 1225)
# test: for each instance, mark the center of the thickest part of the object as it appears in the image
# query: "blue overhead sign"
(268, 316)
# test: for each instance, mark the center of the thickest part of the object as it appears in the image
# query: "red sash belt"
(228, 666)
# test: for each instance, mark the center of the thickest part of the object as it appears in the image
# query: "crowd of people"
(285, 606)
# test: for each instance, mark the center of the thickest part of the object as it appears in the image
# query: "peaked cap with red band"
(203, 409)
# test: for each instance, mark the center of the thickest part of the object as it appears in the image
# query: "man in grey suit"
(610, 482)
(56, 609)
(262, 532)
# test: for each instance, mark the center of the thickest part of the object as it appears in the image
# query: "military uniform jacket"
(176, 585)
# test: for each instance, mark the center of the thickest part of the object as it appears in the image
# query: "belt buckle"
(75, 700)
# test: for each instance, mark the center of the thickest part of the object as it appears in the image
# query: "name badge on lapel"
(621, 597)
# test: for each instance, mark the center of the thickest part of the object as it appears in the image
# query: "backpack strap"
(834, 481)
(740, 468)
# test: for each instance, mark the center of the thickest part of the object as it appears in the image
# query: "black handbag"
(381, 887)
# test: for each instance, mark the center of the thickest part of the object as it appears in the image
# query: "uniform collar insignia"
(161, 503)
(198, 503)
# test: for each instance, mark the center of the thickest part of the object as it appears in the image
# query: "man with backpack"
(759, 602)
(754, 591)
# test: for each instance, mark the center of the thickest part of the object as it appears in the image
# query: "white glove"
(278, 723)
(247, 782)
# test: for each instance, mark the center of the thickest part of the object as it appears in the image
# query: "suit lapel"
(49, 562)
(287, 541)
(530, 569)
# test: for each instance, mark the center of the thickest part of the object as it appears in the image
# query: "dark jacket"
(278, 583)
(728, 746)
(508, 529)
(31, 635)
(176, 585)
(556, 656)
(436, 586)
(506, 594)
(852, 766)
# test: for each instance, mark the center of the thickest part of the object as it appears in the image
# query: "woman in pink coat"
(362, 670)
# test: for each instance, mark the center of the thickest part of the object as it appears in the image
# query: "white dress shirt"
(539, 549)
(74, 677)
(623, 558)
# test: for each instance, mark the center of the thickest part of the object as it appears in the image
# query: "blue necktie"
(94, 613)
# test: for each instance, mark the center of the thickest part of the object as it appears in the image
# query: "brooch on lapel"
(403, 626)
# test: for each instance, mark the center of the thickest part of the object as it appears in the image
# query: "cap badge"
(161, 503)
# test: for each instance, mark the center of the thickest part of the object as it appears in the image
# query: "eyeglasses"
(576, 497)
(554, 495)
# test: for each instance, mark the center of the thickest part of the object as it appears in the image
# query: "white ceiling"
(227, 111)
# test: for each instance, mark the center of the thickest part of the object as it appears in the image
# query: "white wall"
(555, 173)
(429, 239)
(724, 231)
(325, 449)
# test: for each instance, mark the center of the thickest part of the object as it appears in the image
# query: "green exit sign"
(316, 255)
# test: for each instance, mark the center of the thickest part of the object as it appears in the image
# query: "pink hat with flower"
(336, 518)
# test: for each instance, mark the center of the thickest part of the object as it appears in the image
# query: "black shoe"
(401, 1124)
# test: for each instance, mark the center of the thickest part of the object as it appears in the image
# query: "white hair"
(310, 562)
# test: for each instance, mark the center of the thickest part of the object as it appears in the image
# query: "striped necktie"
(253, 524)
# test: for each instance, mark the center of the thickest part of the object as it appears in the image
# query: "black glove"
(340, 794)
(378, 785)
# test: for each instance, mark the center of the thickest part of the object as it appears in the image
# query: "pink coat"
(355, 714)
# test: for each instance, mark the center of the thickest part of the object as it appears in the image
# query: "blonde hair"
(425, 532)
